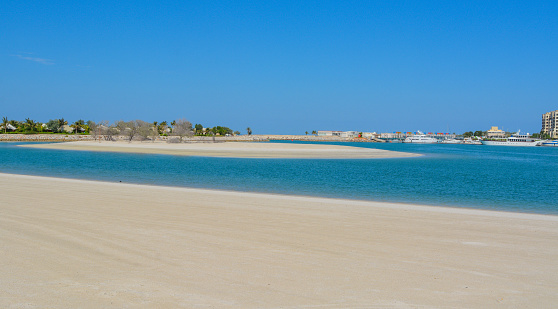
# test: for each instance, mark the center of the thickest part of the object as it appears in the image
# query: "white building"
(348, 134)
(394, 135)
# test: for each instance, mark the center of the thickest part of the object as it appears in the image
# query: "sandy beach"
(232, 149)
(85, 244)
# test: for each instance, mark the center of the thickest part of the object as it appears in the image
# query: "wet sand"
(232, 149)
(85, 244)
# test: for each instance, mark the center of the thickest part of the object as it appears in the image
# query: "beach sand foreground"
(84, 244)
(232, 149)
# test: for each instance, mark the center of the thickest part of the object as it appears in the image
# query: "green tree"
(314, 132)
(16, 124)
(219, 130)
(5, 123)
(61, 124)
(30, 125)
(198, 129)
(249, 131)
(306, 132)
(78, 125)
(542, 135)
(53, 125)
(163, 127)
(479, 133)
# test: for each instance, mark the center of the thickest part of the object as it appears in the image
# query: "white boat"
(452, 141)
(550, 143)
(471, 141)
(420, 138)
(517, 139)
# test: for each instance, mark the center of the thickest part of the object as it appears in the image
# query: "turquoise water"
(488, 177)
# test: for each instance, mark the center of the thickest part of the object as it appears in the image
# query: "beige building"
(494, 132)
(550, 124)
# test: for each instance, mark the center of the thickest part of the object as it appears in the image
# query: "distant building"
(325, 133)
(494, 132)
(394, 135)
(338, 133)
(550, 124)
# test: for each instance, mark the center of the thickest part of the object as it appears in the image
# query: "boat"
(452, 141)
(471, 141)
(550, 143)
(420, 138)
(517, 139)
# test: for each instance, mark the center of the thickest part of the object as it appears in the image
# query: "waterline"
(516, 179)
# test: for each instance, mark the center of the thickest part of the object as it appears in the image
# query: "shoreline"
(83, 243)
(321, 199)
(455, 209)
(231, 150)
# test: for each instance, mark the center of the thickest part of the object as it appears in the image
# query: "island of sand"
(84, 244)
(232, 149)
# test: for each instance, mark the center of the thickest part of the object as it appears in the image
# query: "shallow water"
(522, 179)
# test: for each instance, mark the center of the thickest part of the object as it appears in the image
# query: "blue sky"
(283, 66)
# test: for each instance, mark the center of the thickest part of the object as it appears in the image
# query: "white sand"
(232, 149)
(83, 244)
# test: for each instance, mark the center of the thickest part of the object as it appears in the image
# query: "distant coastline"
(238, 138)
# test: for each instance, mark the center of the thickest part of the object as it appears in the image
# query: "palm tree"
(5, 123)
(61, 124)
(78, 125)
(30, 124)
(314, 132)
(249, 131)
(16, 124)
(306, 132)
(163, 127)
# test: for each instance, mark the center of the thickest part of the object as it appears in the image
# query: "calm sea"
(521, 179)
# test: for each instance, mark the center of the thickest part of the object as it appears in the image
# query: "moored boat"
(452, 141)
(420, 138)
(471, 141)
(550, 143)
(517, 139)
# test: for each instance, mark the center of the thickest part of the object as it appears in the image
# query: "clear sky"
(283, 66)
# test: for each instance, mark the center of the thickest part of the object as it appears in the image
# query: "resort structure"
(550, 124)
(494, 132)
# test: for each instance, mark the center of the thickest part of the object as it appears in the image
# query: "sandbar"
(85, 244)
(232, 149)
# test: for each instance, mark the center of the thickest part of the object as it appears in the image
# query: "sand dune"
(232, 149)
(83, 244)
